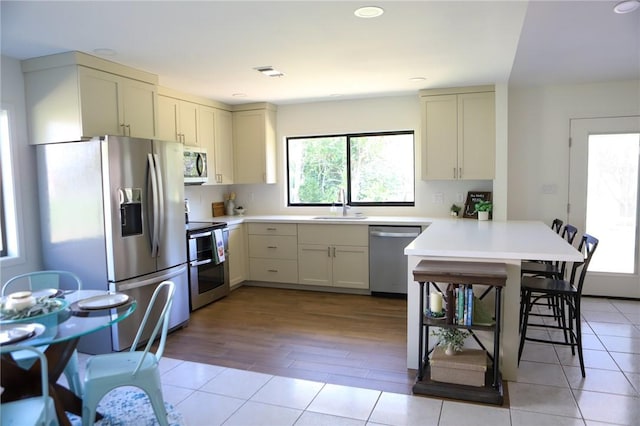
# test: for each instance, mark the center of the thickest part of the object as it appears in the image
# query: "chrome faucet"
(345, 206)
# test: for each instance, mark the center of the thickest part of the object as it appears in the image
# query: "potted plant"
(455, 210)
(483, 208)
(451, 338)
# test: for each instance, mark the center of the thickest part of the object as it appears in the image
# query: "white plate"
(47, 292)
(12, 333)
(104, 301)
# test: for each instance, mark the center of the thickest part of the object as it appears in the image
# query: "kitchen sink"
(359, 217)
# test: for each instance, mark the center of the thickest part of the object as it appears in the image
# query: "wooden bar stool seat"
(458, 272)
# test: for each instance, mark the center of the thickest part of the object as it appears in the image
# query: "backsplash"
(433, 199)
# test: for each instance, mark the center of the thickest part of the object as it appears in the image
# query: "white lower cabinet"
(237, 255)
(273, 252)
(334, 266)
(333, 255)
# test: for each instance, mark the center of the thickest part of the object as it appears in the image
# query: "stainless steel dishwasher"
(387, 262)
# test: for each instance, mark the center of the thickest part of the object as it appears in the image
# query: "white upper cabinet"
(69, 99)
(199, 122)
(178, 120)
(458, 131)
(254, 142)
(214, 134)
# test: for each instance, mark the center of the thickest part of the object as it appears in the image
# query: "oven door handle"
(200, 262)
(201, 235)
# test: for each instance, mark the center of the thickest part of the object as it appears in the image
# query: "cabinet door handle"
(328, 251)
(272, 270)
(334, 252)
(272, 247)
(455, 175)
(128, 126)
(460, 173)
(272, 229)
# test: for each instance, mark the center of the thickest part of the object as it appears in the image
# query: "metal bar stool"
(568, 294)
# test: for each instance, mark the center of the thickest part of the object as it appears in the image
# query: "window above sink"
(375, 169)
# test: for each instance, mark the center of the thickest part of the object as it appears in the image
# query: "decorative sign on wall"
(474, 197)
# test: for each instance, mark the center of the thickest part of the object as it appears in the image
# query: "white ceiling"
(209, 48)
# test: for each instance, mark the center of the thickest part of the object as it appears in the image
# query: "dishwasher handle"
(394, 234)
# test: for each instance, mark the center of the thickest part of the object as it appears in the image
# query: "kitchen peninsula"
(504, 242)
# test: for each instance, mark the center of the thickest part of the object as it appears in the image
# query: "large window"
(5, 168)
(374, 169)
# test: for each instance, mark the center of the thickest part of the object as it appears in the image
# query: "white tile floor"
(550, 389)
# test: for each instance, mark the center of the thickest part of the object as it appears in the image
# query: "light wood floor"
(334, 338)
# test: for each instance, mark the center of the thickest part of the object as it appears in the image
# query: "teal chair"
(133, 368)
(41, 280)
(37, 410)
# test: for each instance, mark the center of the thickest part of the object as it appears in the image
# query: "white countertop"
(368, 220)
(492, 240)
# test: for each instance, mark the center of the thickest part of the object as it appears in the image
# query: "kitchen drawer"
(273, 270)
(346, 235)
(273, 229)
(273, 246)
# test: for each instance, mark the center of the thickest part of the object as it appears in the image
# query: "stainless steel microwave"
(195, 166)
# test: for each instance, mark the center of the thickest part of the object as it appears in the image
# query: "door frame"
(617, 284)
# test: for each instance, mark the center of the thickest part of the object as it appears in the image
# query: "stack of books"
(464, 304)
(463, 308)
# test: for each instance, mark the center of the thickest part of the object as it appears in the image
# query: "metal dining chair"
(37, 410)
(568, 295)
(131, 368)
(42, 280)
(555, 270)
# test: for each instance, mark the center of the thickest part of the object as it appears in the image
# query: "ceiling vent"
(269, 71)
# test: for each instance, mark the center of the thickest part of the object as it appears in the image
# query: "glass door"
(604, 178)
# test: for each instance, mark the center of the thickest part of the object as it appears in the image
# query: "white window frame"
(11, 192)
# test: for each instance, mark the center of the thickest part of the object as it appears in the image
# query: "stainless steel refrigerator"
(112, 211)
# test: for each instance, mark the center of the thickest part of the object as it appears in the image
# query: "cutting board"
(217, 209)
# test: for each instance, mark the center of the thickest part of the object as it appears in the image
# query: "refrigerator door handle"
(154, 190)
(156, 279)
(161, 205)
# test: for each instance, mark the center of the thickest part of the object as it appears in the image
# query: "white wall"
(353, 116)
(26, 186)
(538, 140)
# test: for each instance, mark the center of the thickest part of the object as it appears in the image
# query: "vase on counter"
(230, 207)
(483, 215)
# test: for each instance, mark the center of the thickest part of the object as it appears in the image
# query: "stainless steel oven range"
(208, 273)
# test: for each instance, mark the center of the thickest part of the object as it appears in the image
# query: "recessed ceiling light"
(269, 71)
(239, 95)
(369, 12)
(626, 6)
(417, 79)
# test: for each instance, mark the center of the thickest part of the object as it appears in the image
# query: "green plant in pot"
(455, 210)
(451, 338)
(483, 208)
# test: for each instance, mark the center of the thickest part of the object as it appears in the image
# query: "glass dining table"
(78, 313)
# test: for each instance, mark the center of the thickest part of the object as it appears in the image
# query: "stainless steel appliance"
(208, 274)
(112, 211)
(387, 261)
(195, 166)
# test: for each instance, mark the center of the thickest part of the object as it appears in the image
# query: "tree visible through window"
(373, 169)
